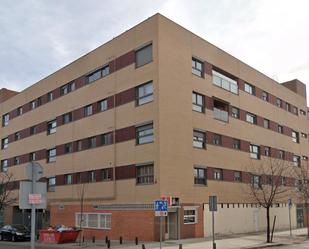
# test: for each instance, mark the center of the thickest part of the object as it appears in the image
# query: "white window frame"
(224, 82)
(85, 224)
(195, 215)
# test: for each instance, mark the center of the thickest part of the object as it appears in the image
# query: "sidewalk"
(240, 242)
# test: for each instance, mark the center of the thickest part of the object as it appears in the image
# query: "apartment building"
(155, 112)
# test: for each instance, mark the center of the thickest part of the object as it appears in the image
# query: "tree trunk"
(268, 225)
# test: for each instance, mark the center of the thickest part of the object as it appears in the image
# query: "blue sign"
(161, 206)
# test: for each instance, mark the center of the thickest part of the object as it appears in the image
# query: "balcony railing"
(221, 115)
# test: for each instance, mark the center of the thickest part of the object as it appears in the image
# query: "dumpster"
(56, 237)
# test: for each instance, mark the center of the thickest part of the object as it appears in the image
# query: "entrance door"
(300, 216)
(172, 225)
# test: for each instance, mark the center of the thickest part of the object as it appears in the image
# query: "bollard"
(143, 246)
(214, 246)
(106, 239)
(120, 240)
(83, 239)
(136, 241)
(180, 246)
(93, 239)
(108, 244)
(37, 236)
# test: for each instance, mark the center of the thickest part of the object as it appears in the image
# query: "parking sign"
(160, 207)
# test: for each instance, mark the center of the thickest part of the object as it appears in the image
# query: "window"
(19, 111)
(249, 89)
(51, 183)
(197, 67)
(267, 151)
(106, 175)
(224, 82)
(102, 72)
(5, 143)
(105, 71)
(50, 96)
(33, 104)
(251, 118)
(254, 151)
(68, 179)
(144, 94)
(304, 135)
(189, 215)
(144, 134)
(32, 156)
(237, 176)
(281, 154)
(33, 130)
(217, 139)
(280, 129)
(102, 105)
(218, 174)
(78, 178)
(256, 181)
(264, 96)
(266, 123)
(296, 161)
(198, 102)
(279, 102)
(16, 160)
(70, 87)
(107, 138)
(236, 144)
(295, 110)
(91, 176)
(88, 110)
(79, 145)
(92, 142)
(94, 76)
(94, 220)
(51, 155)
(52, 127)
(5, 119)
(199, 139)
(144, 174)
(67, 118)
(4, 165)
(200, 176)
(17, 136)
(143, 56)
(235, 112)
(283, 181)
(288, 107)
(68, 148)
(302, 112)
(295, 136)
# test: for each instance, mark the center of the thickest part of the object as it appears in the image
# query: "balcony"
(224, 82)
(221, 115)
(221, 110)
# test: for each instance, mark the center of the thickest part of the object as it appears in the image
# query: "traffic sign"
(35, 198)
(34, 170)
(161, 207)
(25, 190)
(213, 203)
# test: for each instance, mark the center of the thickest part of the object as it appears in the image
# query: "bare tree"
(268, 184)
(6, 190)
(301, 174)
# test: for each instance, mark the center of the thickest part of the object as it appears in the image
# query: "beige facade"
(171, 152)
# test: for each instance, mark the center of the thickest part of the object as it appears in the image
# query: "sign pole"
(32, 210)
(213, 230)
(290, 205)
(160, 232)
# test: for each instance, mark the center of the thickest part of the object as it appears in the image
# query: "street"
(296, 246)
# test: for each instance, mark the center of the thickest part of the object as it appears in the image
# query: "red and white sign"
(168, 199)
(35, 198)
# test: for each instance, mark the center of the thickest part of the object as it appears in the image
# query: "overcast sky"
(39, 37)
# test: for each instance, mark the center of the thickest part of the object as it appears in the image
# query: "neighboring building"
(119, 124)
